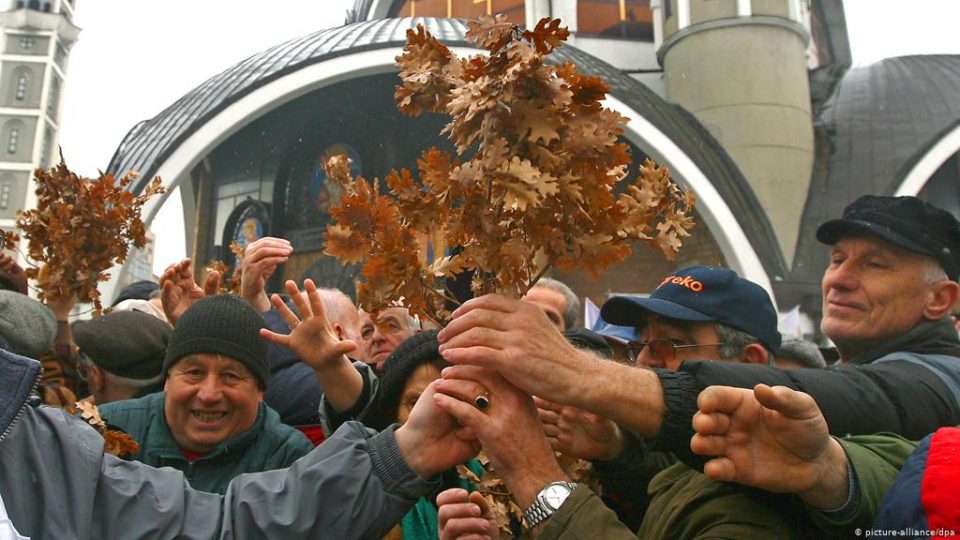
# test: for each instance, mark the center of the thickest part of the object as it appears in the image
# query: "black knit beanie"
(223, 325)
(416, 350)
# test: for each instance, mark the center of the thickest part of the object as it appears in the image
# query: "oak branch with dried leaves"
(531, 188)
(79, 229)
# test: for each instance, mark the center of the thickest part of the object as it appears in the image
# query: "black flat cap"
(906, 222)
(126, 343)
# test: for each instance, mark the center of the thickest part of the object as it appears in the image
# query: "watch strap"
(538, 511)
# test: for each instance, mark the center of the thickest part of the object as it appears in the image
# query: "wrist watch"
(547, 502)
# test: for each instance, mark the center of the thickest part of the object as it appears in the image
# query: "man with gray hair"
(120, 354)
(798, 353)
(557, 300)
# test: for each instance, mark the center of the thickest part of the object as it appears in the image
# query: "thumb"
(788, 402)
(345, 346)
(478, 499)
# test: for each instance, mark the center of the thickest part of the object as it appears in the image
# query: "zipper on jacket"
(23, 406)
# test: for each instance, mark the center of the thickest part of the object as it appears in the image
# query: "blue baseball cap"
(703, 294)
(621, 334)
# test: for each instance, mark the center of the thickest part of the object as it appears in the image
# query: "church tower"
(741, 68)
(35, 41)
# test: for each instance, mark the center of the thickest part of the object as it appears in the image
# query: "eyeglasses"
(661, 349)
(83, 364)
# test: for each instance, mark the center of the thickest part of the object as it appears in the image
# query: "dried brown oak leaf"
(492, 487)
(79, 229)
(539, 179)
(231, 285)
(115, 442)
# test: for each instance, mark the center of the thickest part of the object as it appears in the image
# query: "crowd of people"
(283, 415)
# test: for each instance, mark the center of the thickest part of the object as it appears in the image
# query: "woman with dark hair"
(409, 370)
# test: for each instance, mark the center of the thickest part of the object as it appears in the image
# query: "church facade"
(750, 103)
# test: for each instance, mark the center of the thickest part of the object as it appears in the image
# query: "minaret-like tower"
(36, 41)
(740, 67)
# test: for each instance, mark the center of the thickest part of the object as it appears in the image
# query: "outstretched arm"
(314, 340)
(515, 339)
(773, 438)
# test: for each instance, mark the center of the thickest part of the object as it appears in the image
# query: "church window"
(13, 140)
(467, 9)
(629, 19)
(20, 90)
(5, 189)
(26, 43)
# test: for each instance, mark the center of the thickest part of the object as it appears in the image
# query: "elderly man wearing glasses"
(699, 312)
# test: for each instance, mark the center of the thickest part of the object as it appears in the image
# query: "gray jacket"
(57, 483)
(331, 420)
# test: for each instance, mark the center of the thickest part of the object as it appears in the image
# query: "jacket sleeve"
(331, 420)
(900, 397)
(876, 461)
(583, 515)
(355, 485)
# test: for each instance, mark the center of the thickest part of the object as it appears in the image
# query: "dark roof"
(880, 119)
(151, 142)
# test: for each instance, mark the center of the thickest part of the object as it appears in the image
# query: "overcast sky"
(136, 57)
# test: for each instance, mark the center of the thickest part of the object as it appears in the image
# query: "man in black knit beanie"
(210, 421)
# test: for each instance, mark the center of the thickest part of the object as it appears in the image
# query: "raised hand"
(773, 438)
(10, 268)
(312, 336)
(179, 291)
(260, 260)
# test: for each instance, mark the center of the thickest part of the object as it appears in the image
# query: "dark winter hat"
(139, 290)
(418, 349)
(221, 325)
(26, 326)
(128, 344)
(906, 222)
(703, 294)
(582, 338)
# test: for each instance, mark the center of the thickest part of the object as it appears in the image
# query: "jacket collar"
(18, 378)
(927, 337)
(166, 446)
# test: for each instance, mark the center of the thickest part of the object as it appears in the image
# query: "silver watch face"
(554, 495)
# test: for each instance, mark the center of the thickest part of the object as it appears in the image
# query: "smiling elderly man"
(210, 421)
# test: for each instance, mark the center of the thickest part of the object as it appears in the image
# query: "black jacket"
(861, 396)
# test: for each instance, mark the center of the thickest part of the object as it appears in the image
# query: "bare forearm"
(259, 301)
(342, 384)
(632, 397)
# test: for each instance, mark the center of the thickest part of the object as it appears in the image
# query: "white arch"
(720, 219)
(926, 166)
(726, 230)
